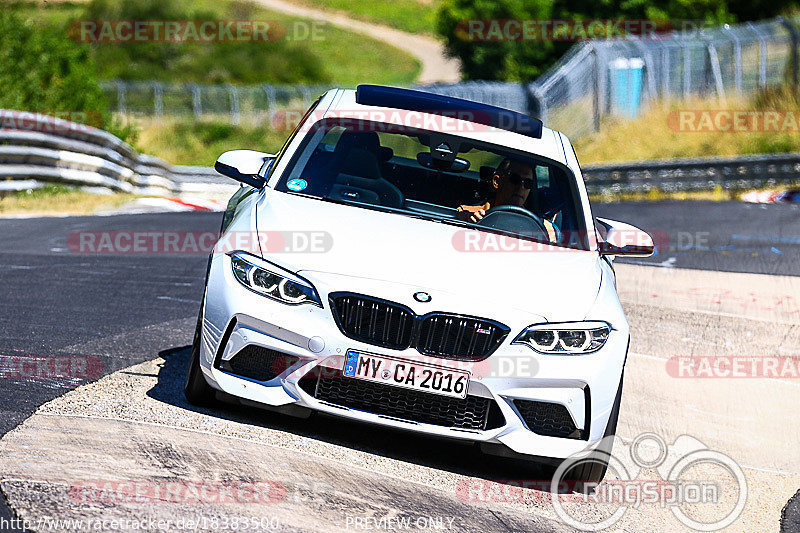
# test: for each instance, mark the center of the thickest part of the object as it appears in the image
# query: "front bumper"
(236, 318)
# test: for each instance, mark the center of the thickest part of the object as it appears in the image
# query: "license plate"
(406, 374)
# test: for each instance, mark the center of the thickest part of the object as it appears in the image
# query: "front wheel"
(592, 469)
(197, 390)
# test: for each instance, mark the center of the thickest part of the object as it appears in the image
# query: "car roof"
(342, 104)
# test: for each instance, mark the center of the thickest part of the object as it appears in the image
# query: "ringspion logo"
(687, 474)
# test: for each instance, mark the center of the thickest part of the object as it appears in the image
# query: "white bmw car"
(423, 263)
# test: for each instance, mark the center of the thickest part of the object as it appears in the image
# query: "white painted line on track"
(695, 409)
(183, 300)
(717, 313)
(644, 356)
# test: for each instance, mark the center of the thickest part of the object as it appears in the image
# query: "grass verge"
(189, 142)
(61, 200)
(413, 16)
(309, 53)
(657, 134)
(654, 195)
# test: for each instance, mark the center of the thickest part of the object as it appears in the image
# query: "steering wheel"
(508, 217)
(554, 208)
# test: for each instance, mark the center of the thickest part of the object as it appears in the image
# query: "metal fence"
(238, 103)
(595, 79)
(600, 78)
(36, 148)
(254, 104)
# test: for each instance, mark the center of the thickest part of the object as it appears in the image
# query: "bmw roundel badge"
(423, 297)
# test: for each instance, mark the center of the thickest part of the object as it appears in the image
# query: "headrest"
(365, 140)
(385, 153)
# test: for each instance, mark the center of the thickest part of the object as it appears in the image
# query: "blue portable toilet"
(626, 77)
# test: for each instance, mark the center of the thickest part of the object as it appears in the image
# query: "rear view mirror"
(456, 165)
(244, 166)
(624, 239)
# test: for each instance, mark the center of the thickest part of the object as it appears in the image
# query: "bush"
(500, 60)
(656, 139)
(525, 60)
(43, 70)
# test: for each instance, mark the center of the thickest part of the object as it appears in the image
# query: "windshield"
(440, 177)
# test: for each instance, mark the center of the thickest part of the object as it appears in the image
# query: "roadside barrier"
(695, 174)
(36, 148)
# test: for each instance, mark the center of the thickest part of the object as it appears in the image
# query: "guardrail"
(48, 149)
(55, 150)
(708, 173)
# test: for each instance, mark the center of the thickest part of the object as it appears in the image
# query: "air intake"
(548, 419)
(258, 363)
(471, 413)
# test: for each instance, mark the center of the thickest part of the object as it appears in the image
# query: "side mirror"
(624, 239)
(243, 165)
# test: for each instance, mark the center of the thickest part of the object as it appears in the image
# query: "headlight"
(272, 281)
(569, 338)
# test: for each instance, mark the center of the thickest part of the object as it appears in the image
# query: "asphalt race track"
(55, 301)
(105, 313)
(722, 236)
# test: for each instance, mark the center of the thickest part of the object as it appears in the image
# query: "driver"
(512, 182)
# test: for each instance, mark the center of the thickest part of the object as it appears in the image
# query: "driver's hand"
(471, 216)
(476, 216)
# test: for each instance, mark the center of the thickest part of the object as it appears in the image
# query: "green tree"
(522, 60)
(43, 70)
(496, 59)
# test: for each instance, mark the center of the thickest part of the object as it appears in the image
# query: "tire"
(197, 390)
(593, 469)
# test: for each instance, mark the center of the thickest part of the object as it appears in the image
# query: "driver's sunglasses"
(516, 179)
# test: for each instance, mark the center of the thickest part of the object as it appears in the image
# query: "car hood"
(420, 255)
